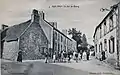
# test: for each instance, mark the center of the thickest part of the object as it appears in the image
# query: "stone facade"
(33, 42)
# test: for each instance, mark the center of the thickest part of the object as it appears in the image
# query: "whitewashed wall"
(107, 37)
(10, 50)
(99, 40)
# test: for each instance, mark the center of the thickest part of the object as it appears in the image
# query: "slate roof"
(46, 27)
(3, 33)
(110, 12)
(50, 23)
(15, 31)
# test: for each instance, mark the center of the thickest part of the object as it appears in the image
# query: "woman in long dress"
(19, 59)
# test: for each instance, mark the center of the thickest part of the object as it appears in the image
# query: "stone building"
(106, 36)
(34, 37)
(62, 42)
(31, 37)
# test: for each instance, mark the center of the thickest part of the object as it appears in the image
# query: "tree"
(84, 41)
(76, 35)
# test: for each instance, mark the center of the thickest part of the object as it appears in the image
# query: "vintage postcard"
(60, 37)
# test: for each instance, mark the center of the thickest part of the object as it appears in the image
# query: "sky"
(85, 17)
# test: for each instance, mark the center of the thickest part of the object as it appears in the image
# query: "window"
(61, 38)
(100, 32)
(58, 47)
(105, 44)
(65, 41)
(55, 36)
(100, 47)
(105, 28)
(111, 45)
(111, 22)
(61, 48)
(65, 48)
(55, 46)
(58, 37)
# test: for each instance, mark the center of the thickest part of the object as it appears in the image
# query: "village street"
(93, 67)
(83, 67)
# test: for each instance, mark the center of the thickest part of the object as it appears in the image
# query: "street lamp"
(104, 9)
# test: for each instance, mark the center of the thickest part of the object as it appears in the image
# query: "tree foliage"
(76, 35)
(79, 38)
(84, 41)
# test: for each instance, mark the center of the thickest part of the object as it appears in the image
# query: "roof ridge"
(25, 29)
(21, 23)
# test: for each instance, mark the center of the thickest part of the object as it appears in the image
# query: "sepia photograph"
(59, 37)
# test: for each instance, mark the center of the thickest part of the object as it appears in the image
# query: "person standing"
(103, 55)
(54, 57)
(65, 56)
(76, 56)
(88, 54)
(81, 53)
(59, 56)
(69, 56)
(62, 56)
(46, 57)
(19, 59)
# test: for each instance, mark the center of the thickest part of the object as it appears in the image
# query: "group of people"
(79, 56)
(61, 56)
(64, 56)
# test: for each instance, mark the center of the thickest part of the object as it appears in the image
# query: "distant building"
(61, 42)
(106, 36)
(34, 38)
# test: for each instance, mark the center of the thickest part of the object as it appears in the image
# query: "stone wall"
(10, 50)
(33, 42)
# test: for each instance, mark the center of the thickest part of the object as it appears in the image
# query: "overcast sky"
(85, 18)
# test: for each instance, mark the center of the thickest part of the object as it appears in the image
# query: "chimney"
(35, 16)
(54, 24)
(4, 26)
(64, 31)
(41, 14)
